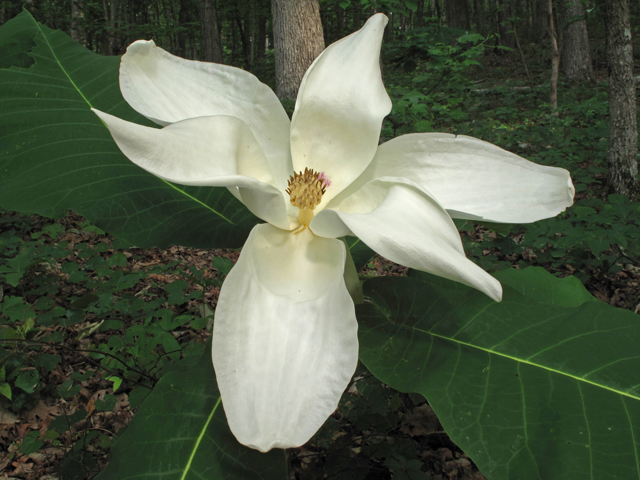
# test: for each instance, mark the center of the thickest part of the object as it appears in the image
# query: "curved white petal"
(167, 89)
(285, 339)
(341, 103)
(403, 223)
(473, 179)
(206, 151)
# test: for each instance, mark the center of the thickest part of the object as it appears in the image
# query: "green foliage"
(181, 433)
(369, 435)
(131, 339)
(438, 60)
(52, 133)
(542, 385)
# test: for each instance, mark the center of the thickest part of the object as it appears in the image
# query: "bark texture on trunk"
(211, 43)
(555, 59)
(623, 137)
(541, 21)
(576, 56)
(297, 41)
(457, 12)
(75, 15)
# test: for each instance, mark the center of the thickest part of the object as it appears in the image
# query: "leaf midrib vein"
(53, 53)
(510, 357)
(200, 437)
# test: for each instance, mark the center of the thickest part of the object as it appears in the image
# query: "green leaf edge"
(53, 53)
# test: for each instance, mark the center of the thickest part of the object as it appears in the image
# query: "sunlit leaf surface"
(55, 154)
(180, 433)
(545, 385)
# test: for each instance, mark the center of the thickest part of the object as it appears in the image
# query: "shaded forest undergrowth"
(89, 323)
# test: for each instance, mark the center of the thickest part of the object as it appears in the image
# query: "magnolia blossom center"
(305, 192)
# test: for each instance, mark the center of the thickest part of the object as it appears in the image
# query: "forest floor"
(63, 429)
(56, 459)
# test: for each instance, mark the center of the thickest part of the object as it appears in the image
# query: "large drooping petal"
(167, 89)
(206, 151)
(284, 338)
(403, 223)
(340, 107)
(473, 179)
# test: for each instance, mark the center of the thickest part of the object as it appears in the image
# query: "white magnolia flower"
(285, 334)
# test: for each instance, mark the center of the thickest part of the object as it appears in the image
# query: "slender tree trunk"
(623, 136)
(419, 15)
(541, 21)
(524, 61)
(298, 40)
(576, 56)
(75, 15)
(555, 60)
(108, 19)
(244, 27)
(183, 18)
(168, 18)
(480, 17)
(457, 12)
(211, 42)
(261, 41)
(505, 27)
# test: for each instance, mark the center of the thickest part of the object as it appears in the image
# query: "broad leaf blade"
(529, 389)
(180, 433)
(537, 283)
(55, 154)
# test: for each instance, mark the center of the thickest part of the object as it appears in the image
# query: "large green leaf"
(180, 433)
(55, 154)
(545, 385)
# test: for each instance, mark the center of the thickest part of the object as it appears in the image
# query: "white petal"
(340, 107)
(167, 89)
(285, 339)
(206, 151)
(406, 225)
(473, 179)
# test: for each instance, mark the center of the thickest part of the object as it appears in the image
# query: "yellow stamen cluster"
(306, 189)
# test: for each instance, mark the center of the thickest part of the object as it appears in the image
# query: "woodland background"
(89, 323)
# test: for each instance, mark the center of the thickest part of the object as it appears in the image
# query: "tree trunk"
(261, 41)
(541, 22)
(211, 43)
(75, 15)
(183, 18)
(435, 8)
(244, 27)
(555, 59)
(505, 27)
(297, 39)
(623, 136)
(457, 12)
(480, 17)
(110, 24)
(576, 57)
(419, 15)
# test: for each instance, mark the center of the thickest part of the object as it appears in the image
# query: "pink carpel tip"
(325, 180)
